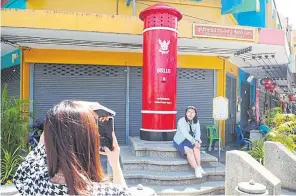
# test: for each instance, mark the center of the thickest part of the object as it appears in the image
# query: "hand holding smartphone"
(109, 145)
(106, 129)
(105, 120)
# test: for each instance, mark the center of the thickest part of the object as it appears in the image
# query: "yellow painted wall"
(221, 81)
(208, 10)
(89, 6)
(269, 21)
(107, 58)
(48, 19)
(25, 77)
(231, 68)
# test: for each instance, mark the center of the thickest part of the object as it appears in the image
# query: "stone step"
(207, 188)
(173, 178)
(131, 162)
(154, 148)
(9, 189)
(288, 192)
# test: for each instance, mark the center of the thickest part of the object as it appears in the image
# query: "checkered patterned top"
(32, 178)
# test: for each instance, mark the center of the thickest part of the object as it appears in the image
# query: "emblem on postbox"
(164, 46)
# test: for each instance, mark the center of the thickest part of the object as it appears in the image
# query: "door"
(245, 104)
(104, 84)
(231, 121)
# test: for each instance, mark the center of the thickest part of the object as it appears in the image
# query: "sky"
(287, 8)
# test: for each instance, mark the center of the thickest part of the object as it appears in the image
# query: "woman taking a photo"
(187, 139)
(67, 159)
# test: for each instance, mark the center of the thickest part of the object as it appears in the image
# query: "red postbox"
(160, 38)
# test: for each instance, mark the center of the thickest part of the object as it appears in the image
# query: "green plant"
(14, 121)
(9, 164)
(257, 151)
(286, 140)
(14, 133)
(283, 131)
(271, 114)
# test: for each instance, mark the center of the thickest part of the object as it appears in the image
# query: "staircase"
(159, 166)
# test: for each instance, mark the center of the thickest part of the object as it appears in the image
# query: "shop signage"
(223, 32)
(220, 108)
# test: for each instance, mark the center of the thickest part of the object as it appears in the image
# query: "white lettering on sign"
(162, 102)
(163, 98)
(163, 70)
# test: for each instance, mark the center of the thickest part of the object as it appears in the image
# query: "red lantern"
(266, 82)
(291, 98)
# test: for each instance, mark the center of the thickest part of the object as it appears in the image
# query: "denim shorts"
(180, 147)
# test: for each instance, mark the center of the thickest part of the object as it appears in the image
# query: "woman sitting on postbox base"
(187, 139)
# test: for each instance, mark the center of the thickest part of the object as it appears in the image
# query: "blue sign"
(229, 5)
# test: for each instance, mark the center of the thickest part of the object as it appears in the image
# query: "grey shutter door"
(194, 87)
(135, 101)
(11, 76)
(105, 84)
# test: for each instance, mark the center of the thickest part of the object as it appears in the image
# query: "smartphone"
(105, 130)
(103, 111)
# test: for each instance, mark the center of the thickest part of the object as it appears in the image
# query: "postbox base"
(157, 136)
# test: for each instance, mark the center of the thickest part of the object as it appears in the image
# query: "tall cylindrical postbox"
(160, 38)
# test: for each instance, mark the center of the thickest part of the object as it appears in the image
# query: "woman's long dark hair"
(195, 119)
(72, 144)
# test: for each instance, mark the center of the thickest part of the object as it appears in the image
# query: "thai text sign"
(223, 32)
(220, 108)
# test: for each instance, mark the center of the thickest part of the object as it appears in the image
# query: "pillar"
(160, 38)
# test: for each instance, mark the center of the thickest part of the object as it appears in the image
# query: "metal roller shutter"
(11, 76)
(195, 87)
(105, 84)
(135, 101)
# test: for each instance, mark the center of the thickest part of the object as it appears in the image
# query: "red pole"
(160, 38)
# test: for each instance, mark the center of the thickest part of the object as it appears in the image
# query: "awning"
(281, 74)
